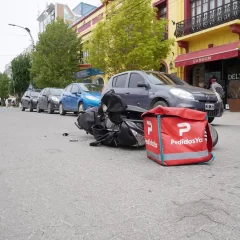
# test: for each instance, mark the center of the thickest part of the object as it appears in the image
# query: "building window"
(201, 6)
(162, 11)
(162, 14)
(52, 15)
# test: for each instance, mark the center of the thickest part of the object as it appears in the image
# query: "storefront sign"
(234, 76)
(202, 59)
(87, 73)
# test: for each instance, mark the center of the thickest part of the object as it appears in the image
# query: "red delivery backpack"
(176, 136)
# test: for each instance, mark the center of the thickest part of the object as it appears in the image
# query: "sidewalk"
(228, 118)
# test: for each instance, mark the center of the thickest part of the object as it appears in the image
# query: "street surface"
(51, 188)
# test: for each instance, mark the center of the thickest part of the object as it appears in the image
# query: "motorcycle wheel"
(214, 135)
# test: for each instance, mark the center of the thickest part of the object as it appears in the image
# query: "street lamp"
(29, 32)
(27, 29)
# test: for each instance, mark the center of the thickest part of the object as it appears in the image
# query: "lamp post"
(26, 29)
(29, 32)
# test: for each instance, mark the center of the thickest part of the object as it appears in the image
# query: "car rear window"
(120, 81)
(89, 87)
(34, 94)
(56, 91)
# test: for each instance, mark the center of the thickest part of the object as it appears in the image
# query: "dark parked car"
(48, 100)
(80, 96)
(29, 100)
(148, 89)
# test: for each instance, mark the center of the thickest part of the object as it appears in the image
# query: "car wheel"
(50, 109)
(61, 110)
(30, 106)
(38, 109)
(210, 119)
(81, 107)
(22, 108)
(160, 103)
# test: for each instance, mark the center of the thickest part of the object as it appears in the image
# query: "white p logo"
(185, 128)
(149, 127)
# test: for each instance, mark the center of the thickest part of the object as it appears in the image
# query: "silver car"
(148, 89)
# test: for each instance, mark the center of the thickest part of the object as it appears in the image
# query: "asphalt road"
(51, 188)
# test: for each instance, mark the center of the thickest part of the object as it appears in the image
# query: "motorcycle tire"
(214, 135)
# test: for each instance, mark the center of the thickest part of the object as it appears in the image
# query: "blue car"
(79, 96)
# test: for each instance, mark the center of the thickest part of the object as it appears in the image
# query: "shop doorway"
(99, 81)
(163, 68)
(197, 76)
(214, 69)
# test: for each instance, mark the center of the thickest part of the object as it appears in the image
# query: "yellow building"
(207, 40)
(208, 44)
(170, 9)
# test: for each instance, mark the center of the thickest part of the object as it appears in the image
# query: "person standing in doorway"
(216, 87)
(213, 78)
(218, 90)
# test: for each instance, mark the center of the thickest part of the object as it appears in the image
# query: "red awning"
(230, 50)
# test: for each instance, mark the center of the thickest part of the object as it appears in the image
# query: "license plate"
(209, 106)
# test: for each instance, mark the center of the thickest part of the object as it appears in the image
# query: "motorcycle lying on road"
(114, 123)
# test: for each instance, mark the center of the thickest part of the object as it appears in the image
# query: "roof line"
(81, 20)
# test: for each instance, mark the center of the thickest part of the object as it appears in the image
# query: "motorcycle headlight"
(91, 98)
(182, 94)
(55, 99)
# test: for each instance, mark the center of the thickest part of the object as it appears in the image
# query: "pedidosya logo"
(149, 130)
(187, 141)
(184, 128)
(151, 143)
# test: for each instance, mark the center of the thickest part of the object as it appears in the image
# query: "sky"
(14, 40)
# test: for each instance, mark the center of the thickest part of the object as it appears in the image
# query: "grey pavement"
(51, 188)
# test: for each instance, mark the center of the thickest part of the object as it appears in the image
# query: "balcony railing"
(214, 17)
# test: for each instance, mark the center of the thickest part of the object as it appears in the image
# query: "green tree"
(4, 86)
(129, 38)
(21, 75)
(57, 56)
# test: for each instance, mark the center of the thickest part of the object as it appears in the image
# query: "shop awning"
(230, 50)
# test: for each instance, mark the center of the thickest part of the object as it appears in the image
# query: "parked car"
(79, 96)
(48, 99)
(29, 100)
(148, 89)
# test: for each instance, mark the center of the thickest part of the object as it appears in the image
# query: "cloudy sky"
(14, 40)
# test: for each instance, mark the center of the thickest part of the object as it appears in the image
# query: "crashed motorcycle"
(114, 123)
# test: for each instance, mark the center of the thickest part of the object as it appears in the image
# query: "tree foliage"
(21, 75)
(129, 38)
(57, 56)
(4, 85)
